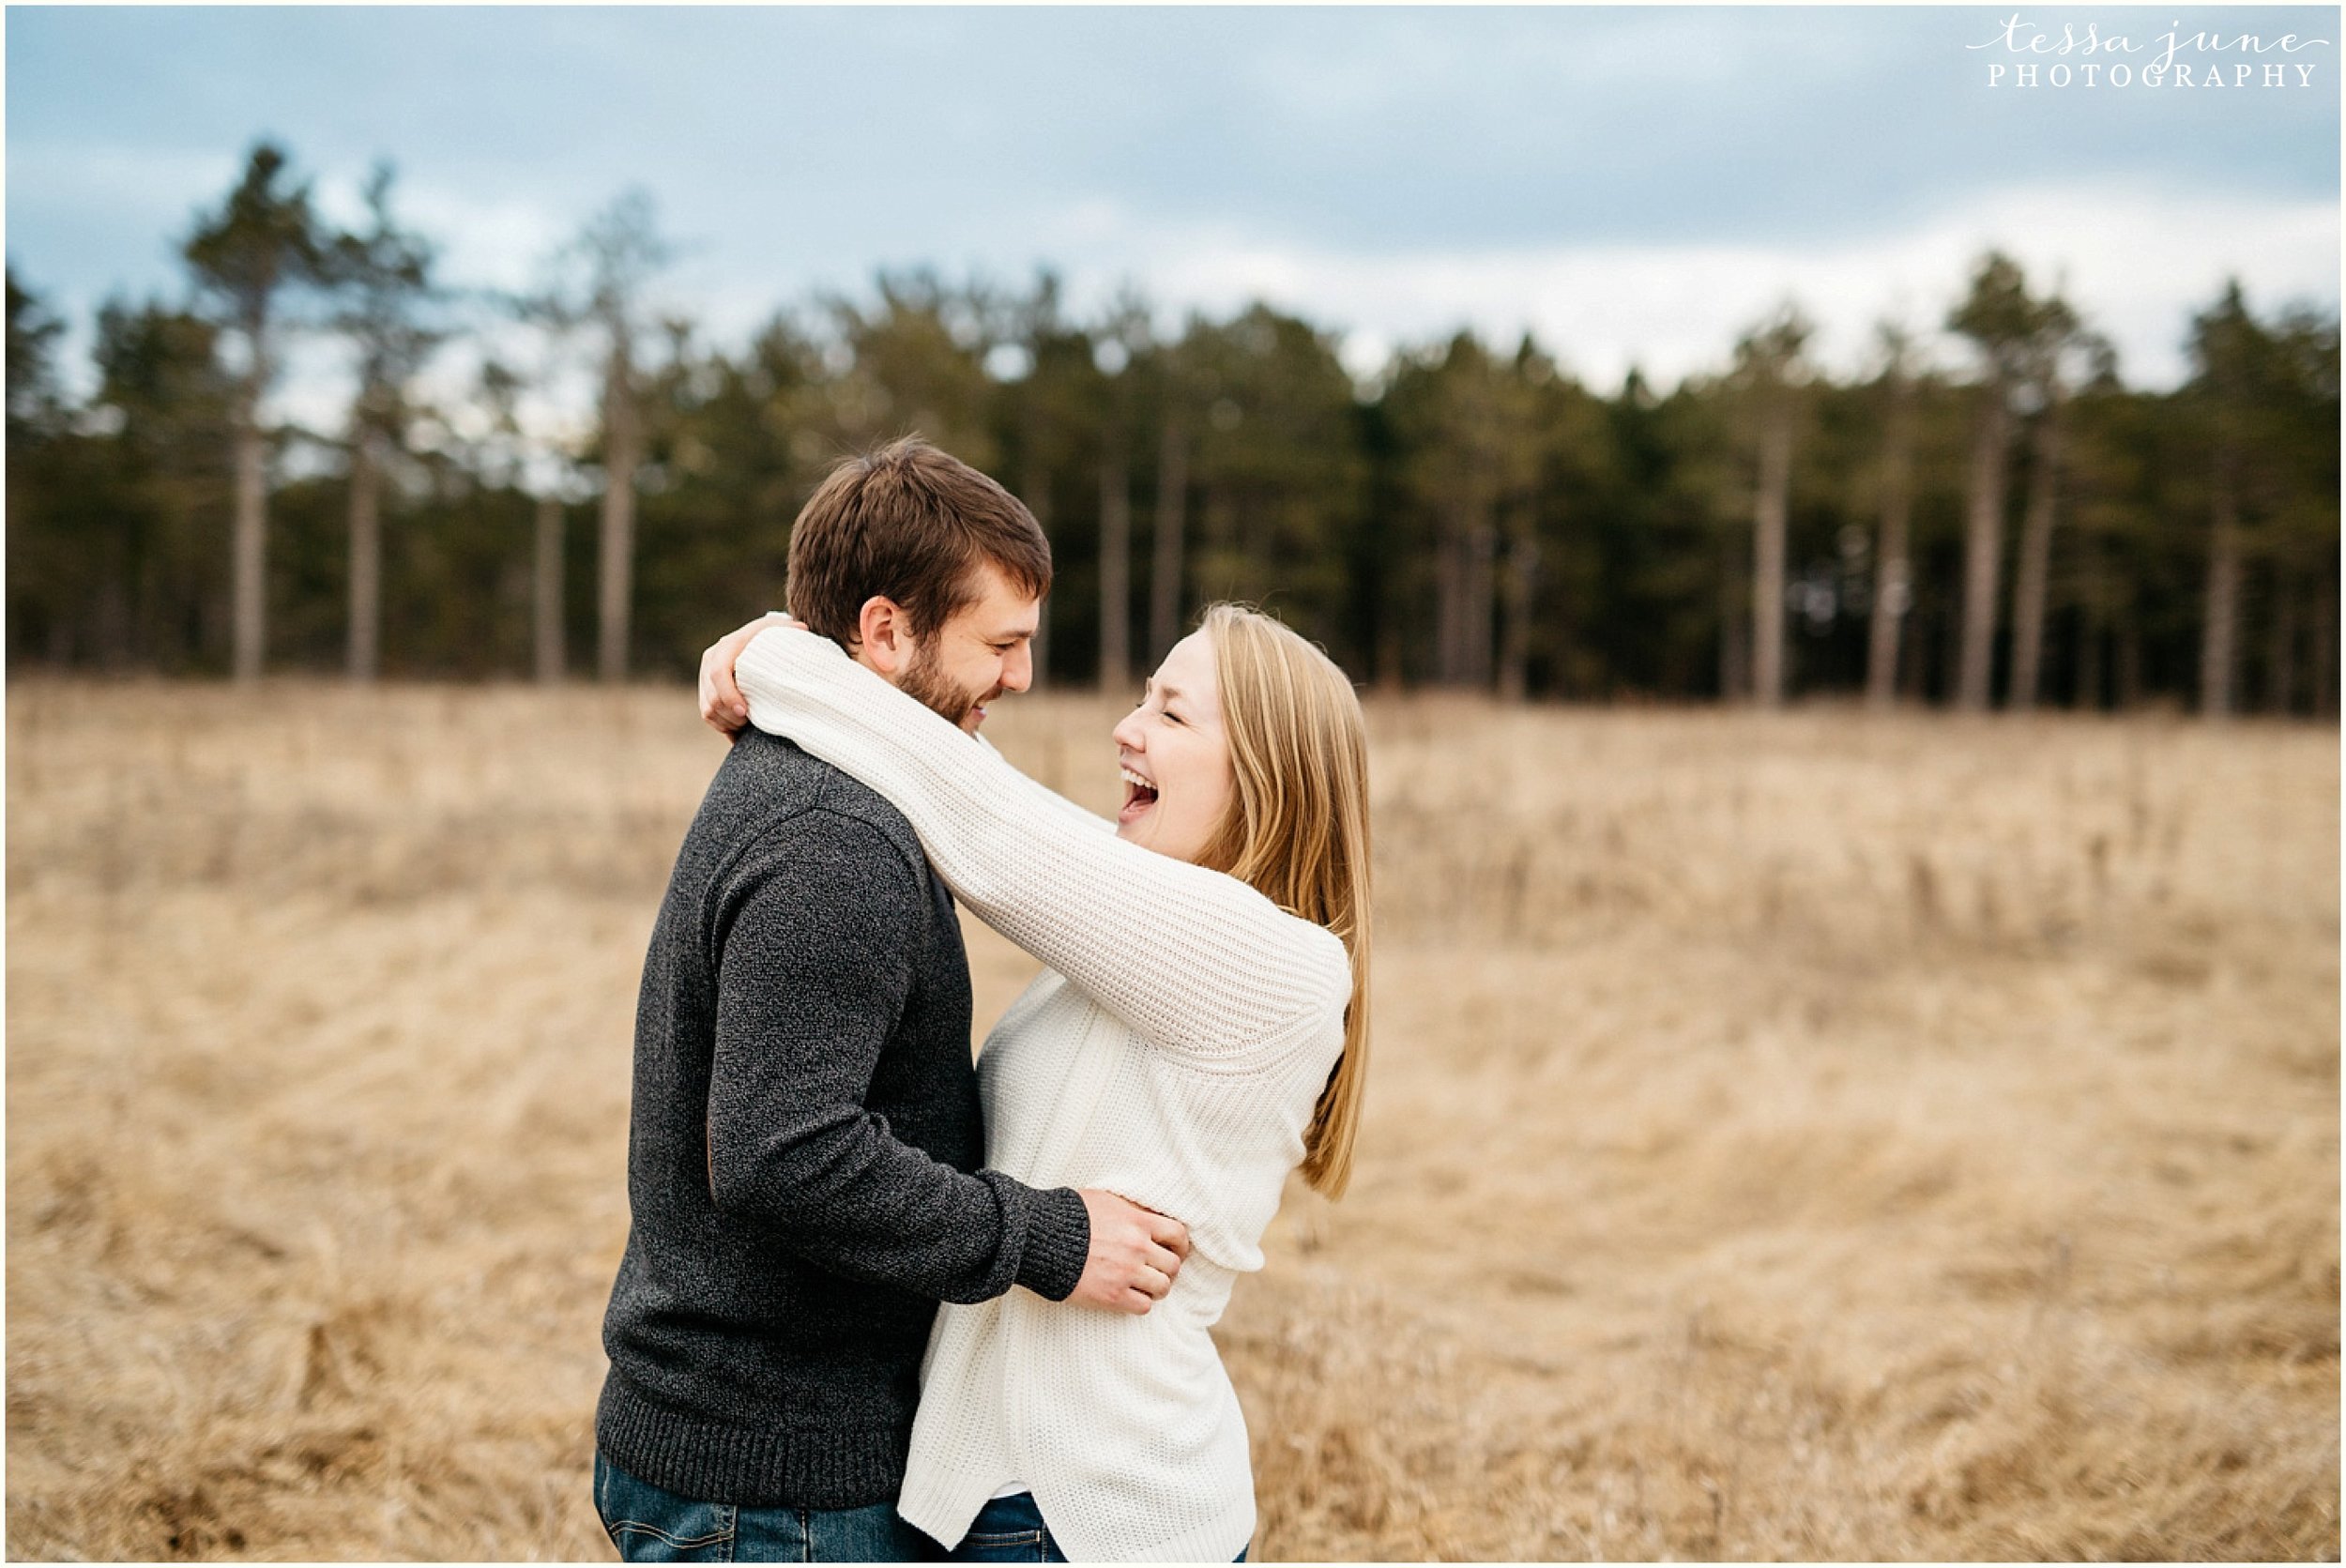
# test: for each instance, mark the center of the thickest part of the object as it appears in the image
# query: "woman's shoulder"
(1324, 962)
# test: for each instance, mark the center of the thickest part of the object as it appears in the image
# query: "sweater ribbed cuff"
(1058, 1239)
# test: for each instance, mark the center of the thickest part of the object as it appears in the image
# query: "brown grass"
(1817, 1136)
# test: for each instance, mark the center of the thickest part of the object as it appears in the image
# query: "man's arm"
(813, 969)
(1195, 962)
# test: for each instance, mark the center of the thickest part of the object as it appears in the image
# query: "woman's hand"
(723, 705)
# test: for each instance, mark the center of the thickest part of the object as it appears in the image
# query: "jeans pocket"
(642, 1541)
(650, 1524)
(1005, 1546)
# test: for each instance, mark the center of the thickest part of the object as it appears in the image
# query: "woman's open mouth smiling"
(1139, 795)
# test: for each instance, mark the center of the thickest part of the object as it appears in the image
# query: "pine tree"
(262, 241)
(383, 274)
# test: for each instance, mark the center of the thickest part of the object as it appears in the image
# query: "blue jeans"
(650, 1524)
(1011, 1529)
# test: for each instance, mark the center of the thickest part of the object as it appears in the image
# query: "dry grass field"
(1816, 1136)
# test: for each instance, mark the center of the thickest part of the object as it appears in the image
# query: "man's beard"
(926, 682)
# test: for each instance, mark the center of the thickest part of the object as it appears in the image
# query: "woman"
(1200, 1029)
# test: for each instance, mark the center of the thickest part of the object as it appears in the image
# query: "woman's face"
(1175, 757)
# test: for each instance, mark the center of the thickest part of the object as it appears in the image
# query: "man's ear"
(886, 635)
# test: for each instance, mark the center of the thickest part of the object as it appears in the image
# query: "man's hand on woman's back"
(1134, 1253)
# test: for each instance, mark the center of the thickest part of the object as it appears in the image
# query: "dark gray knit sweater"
(804, 1152)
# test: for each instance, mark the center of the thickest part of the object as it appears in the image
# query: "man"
(804, 1140)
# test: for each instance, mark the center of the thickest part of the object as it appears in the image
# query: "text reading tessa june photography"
(2086, 55)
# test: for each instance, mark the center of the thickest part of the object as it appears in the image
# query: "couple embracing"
(813, 1164)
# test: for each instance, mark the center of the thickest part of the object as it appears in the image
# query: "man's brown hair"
(908, 522)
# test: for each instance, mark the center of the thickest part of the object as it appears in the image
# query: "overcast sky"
(1635, 185)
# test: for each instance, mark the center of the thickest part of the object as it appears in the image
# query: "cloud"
(156, 185)
(2137, 261)
(1635, 185)
(488, 241)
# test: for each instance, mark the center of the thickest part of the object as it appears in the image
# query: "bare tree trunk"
(2218, 653)
(2030, 593)
(1983, 547)
(1521, 582)
(616, 565)
(1116, 568)
(1893, 566)
(1164, 570)
(546, 597)
(622, 450)
(365, 559)
(2280, 654)
(1769, 506)
(251, 549)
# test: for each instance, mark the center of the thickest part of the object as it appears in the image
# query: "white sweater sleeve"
(1191, 960)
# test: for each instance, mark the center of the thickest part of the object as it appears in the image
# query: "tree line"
(2017, 530)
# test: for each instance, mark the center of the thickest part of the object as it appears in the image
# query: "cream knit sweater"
(1172, 1050)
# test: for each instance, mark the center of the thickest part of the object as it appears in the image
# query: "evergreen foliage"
(1472, 516)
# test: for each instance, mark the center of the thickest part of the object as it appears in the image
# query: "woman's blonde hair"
(1297, 828)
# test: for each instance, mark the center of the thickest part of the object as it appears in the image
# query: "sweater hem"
(700, 1456)
(1218, 1540)
(943, 1508)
